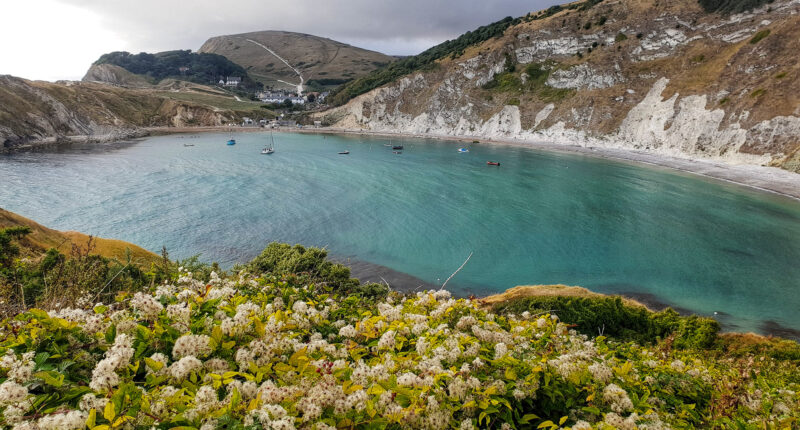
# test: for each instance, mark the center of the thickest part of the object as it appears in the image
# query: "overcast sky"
(59, 39)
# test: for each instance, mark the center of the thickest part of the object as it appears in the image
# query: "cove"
(539, 218)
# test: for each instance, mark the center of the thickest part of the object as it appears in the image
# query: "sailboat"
(231, 141)
(271, 148)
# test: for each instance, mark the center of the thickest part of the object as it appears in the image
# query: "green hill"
(202, 68)
(322, 62)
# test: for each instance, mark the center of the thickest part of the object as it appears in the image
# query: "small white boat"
(271, 148)
(463, 150)
(344, 152)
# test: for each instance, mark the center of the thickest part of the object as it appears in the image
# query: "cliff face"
(43, 112)
(115, 75)
(663, 77)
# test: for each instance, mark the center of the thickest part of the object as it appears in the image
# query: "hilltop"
(320, 61)
(697, 80)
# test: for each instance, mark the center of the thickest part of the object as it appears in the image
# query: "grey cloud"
(394, 27)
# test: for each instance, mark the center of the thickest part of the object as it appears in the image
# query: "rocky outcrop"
(663, 78)
(36, 113)
(115, 75)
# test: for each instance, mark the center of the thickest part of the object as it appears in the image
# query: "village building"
(230, 81)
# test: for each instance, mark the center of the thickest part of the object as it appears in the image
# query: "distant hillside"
(201, 68)
(694, 79)
(34, 112)
(321, 62)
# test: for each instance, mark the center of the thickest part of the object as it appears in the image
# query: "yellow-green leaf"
(108, 412)
(92, 420)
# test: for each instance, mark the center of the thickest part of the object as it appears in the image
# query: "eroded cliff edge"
(665, 78)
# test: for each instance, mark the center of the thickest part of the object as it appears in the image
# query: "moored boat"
(493, 163)
(344, 152)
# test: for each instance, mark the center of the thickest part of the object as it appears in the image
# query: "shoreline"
(772, 180)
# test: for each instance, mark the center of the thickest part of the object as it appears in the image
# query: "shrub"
(620, 37)
(265, 352)
(609, 316)
(281, 259)
(759, 36)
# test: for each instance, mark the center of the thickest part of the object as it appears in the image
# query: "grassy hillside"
(42, 238)
(322, 62)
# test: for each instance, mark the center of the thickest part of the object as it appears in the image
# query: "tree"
(288, 103)
(312, 98)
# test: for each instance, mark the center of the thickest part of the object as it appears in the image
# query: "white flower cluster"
(19, 369)
(617, 398)
(191, 344)
(104, 375)
(147, 306)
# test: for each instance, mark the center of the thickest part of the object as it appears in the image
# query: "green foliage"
(759, 36)
(780, 75)
(610, 317)
(535, 83)
(758, 92)
(282, 259)
(513, 102)
(9, 250)
(731, 6)
(203, 68)
(263, 352)
(620, 37)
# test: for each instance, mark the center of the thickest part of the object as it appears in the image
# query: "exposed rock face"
(115, 75)
(34, 113)
(666, 78)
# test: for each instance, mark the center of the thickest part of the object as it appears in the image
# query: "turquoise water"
(541, 217)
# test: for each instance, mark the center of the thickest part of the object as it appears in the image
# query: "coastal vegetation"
(202, 68)
(731, 6)
(531, 80)
(289, 340)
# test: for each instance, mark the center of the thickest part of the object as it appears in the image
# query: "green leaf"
(111, 333)
(546, 424)
(591, 410)
(50, 379)
(528, 417)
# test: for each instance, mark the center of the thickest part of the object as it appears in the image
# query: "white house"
(232, 81)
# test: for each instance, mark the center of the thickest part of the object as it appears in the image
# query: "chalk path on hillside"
(300, 75)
